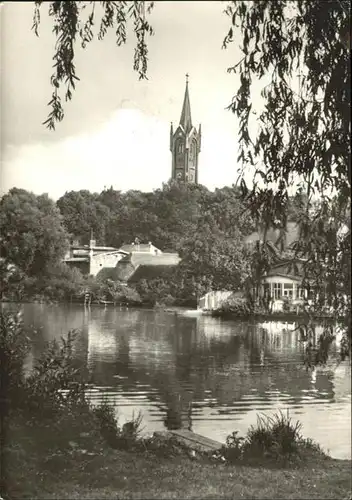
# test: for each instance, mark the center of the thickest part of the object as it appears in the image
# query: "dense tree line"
(206, 228)
(167, 216)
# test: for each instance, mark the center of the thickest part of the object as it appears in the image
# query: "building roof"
(149, 259)
(149, 272)
(272, 274)
(113, 252)
(95, 247)
(186, 119)
(141, 247)
(137, 266)
(77, 259)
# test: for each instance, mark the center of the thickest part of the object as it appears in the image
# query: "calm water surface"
(203, 372)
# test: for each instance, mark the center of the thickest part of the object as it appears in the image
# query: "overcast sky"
(116, 128)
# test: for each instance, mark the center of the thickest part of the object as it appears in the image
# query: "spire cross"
(187, 76)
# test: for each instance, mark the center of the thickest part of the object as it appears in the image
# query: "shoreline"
(277, 316)
(258, 317)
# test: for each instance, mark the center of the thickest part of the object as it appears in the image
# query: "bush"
(286, 305)
(236, 306)
(55, 382)
(60, 283)
(275, 439)
(114, 435)
(14, 346)
(155, 291)
(113, 291)
(274, 436)
(50, 406)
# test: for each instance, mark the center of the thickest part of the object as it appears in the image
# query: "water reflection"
(202, 373)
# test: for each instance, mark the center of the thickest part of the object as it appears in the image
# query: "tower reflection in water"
(204, 373)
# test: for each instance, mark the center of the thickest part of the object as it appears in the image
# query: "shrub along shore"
(56, 445)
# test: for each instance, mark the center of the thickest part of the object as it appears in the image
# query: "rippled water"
(212, 375)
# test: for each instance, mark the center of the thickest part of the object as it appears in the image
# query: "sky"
(116, 128)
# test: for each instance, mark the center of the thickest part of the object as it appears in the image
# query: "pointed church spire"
(186, 119)
(171, 136)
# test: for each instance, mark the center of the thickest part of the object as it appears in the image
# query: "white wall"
(98, 262)
(213, 300)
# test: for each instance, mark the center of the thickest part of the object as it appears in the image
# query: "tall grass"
(275, 438)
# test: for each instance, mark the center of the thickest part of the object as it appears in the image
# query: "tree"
(229, 212)
(212, 261)
(179, 208)
(75, 21)
(303, 135)
(61, 283)
(32, 234)
(83, 214)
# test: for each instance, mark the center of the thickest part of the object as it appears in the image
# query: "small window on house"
(277, 290)
(266, 290)
(288, 290)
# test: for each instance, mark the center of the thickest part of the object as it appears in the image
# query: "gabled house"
(130, 263)
(93, 259)
(283, 281)
(144, 261)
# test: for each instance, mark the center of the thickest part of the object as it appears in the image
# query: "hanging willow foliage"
(303, 136)
(73, 26)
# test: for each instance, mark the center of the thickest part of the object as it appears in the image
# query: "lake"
(209, 374)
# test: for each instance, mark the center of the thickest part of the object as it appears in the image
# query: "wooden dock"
(193, 441)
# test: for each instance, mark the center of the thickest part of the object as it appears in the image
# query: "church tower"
(185, 145)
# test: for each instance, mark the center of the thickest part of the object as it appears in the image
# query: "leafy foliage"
(216, 262)
(115, 292)
(277, 439)
(51, 402)
(83, 214)
(55, 381)
(14, 347)
(307, 132)
(32, 236)
(117, 437)
(235, 306)
(301, 137)
(73, 24)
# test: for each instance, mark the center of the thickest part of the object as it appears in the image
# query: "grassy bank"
(107, 473)
(74, 459)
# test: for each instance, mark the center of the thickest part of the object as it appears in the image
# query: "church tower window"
(179, 147)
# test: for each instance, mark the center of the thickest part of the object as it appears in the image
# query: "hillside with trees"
(206, 228)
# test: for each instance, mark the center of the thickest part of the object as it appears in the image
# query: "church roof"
(186, 119)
